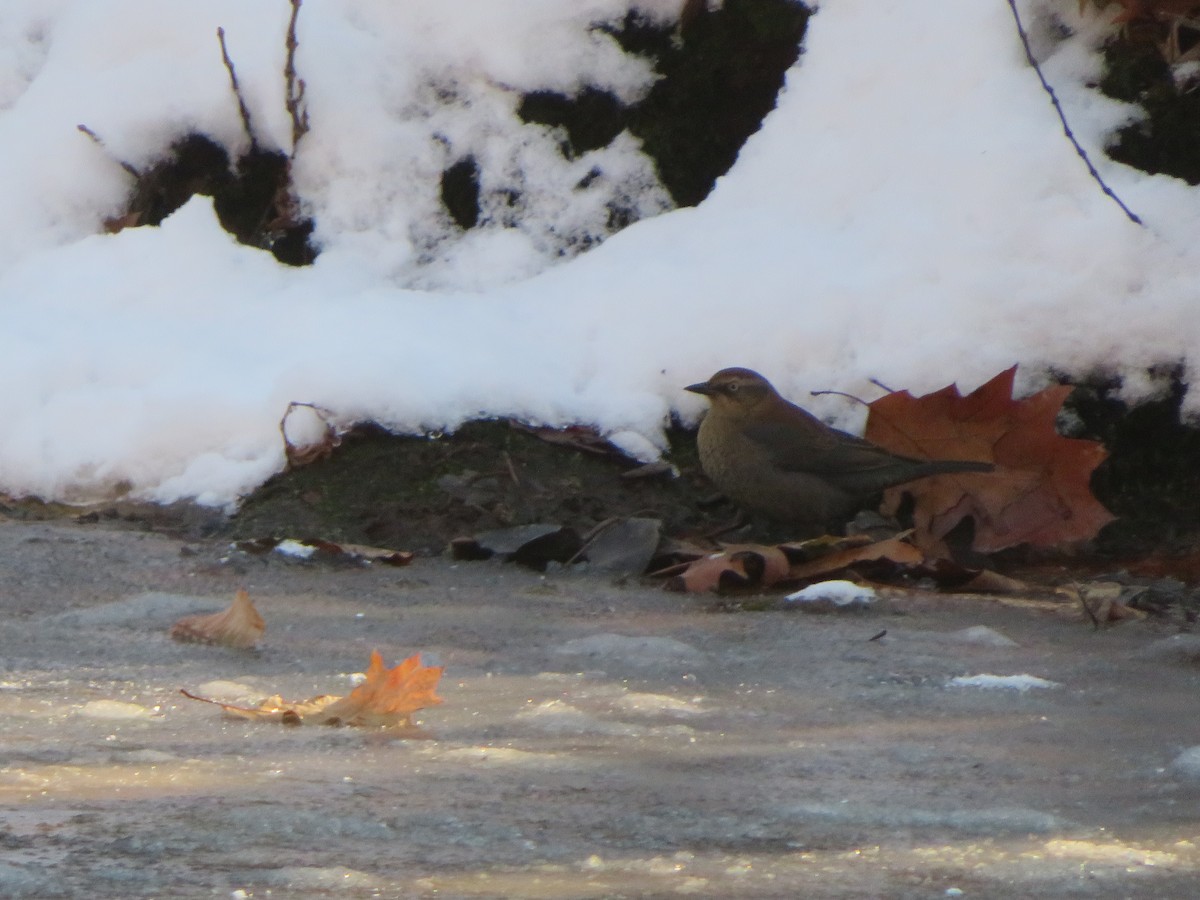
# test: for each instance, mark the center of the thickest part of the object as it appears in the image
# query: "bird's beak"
(700, 388)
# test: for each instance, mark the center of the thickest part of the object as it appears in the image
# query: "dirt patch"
(417, 493)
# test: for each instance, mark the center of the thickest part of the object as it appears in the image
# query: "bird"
(774, 458)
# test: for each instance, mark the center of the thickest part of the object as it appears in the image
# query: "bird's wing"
(820, 450)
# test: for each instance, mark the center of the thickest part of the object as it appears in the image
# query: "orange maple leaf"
(386, 697)
(1039, 493)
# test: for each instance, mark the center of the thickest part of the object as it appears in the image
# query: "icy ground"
(595, 740)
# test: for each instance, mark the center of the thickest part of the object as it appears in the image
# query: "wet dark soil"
(419, 493)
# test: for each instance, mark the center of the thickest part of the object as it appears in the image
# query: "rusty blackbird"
(772, 457)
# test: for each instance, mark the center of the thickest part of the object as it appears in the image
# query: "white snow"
(910, 212)
(295, 549)
(838, 591)
(1021, 683)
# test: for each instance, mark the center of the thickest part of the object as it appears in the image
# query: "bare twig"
(296, 106)
(99, 142)
(1062, 116)
(237, 91)
(839, 394)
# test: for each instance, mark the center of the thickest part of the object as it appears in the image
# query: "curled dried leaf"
(386, 697)
(315, 448)
(239, 626)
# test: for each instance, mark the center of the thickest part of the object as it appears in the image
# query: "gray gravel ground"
(596, 740)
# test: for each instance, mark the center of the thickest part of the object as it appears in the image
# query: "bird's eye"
(732, 387)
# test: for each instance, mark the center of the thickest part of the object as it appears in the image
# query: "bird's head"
(737, 392)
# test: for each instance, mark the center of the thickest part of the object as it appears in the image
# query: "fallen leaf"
(386, 698)
(895, 550)
(301, 454)
(759, 565)
(960, 579)
(1039, 493)
(577, 437)
(239, 626)
(534, 545)
(117, 224)
(717, 571)
(622, 546)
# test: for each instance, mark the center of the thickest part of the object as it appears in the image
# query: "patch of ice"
(490, 755)
(1020, 683)
(335, 878)
(557, 717)
(228, 690)
(985, 820)
(981, 634)
(116, 709)
(1180, 648)
(624, 649)
(1187, 764)
(658, 704)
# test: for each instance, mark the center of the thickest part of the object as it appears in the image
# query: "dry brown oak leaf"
(734, 566)
(738, 566)
(1039, 493)
(239, 626)
(386, 697)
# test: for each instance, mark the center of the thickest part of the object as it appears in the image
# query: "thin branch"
(1062, 116)
(296, 106)
(237, 91)
(839, 394)
(99, 142)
